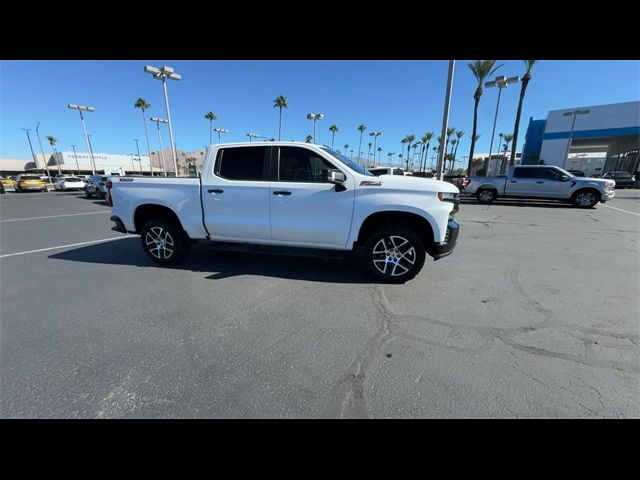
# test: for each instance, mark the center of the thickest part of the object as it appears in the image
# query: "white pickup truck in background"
(293, 195)
(542, 181)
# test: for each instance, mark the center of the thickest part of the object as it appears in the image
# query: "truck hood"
(401, 182)
(592, 179)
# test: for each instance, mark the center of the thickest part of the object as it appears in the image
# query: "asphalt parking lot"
(536, 314)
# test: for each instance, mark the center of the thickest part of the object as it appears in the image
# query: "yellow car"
(6, 182)
(26, 183)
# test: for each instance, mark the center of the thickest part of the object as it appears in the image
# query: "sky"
(394, 97)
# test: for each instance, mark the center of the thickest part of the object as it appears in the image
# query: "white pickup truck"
(542, 181)
(289, 194)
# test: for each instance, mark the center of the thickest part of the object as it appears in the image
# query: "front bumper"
(607, 195)
(32, 187)
(441, 250)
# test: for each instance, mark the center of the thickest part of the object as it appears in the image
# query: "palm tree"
(390, 155)
(369, 152)
(409, 138)
(454, 142)
(507, 139)
(379, 153)
(345, 148)
(459, 135)
(142, 104)
(523, 88)
(309, 139)
(280, 102)
(450, 131)
(333, 129)
(52, 142)
(211, 117)
(481, 69)
(362, 127)
(426, 139)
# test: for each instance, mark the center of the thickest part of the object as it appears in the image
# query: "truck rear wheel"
(393, 253)
(164, 242)
(486, 195)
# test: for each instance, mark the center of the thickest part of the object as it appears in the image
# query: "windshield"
(348, 162)
(566, 172)
(72, 179)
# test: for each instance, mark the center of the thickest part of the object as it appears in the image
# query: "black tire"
(386, 249)
(100, 194)
(88, 195)
(17, 189)
(45, 189)
(586, 198)
(486, 195)
(173, 246)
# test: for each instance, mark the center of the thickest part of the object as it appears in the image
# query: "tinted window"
(348, 162)
(302, 165)
(548, 173)
(242, 163)
(379, 171)
(29, 177)
(398, 171)
(523, 173)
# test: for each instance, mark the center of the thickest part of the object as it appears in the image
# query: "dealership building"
(594, 139)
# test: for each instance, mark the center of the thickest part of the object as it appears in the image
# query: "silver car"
(96, 185)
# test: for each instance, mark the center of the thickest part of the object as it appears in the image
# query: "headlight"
(447, 196)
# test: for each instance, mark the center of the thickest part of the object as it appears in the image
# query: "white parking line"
(625, 211)
(63, 246)
(51, 216)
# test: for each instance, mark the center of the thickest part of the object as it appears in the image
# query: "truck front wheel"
(164, 242)
(586, 198)
(486, 195)
(393, 253)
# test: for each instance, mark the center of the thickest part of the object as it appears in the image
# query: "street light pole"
(252, 136)
(80, 109)
(575, 113)
(138, 149)
(44, 159)
(158, 121)
(162, 74)
(314, 117)
(76, 157)
(35, 160)
(220, 130)
(445, 117)
(500, 82)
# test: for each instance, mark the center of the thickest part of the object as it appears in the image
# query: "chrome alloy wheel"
(485, 196)
(159, 243)
(394, 255)
(586, 199)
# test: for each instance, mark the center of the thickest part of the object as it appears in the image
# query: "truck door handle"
(215, 190)
(539, 182)
(280, 192)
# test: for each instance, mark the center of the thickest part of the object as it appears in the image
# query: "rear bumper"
(441, 250)
(119, 225)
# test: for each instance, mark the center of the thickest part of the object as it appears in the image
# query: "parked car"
(577, 173)
(286, 194)
(96, 186)
(7, 183)
(27, 183)
(542, 181)
(622, 179)
(69, 183)
(378, 171)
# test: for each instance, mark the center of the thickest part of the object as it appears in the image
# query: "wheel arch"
(422, 225)
(150, 211)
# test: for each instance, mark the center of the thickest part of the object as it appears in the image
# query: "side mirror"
(338, 178)
(565, 178)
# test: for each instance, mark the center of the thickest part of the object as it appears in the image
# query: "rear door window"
(243, 163)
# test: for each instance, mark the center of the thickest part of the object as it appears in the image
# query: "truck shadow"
(224, 264)
(512, 202)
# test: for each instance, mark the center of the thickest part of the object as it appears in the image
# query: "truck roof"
(276, 142)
